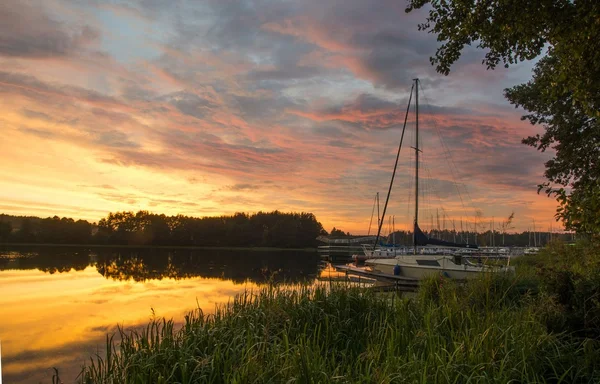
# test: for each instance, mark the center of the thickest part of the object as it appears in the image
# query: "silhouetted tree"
(339, 233)
(272, 229)
(5, 231)
(56, 230)
(564, 94)
(25, 233)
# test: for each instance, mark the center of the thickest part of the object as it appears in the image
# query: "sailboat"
(427, 256)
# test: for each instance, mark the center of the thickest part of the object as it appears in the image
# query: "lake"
(59, 303)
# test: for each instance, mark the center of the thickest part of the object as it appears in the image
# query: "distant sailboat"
(427, 255)
(532, 250)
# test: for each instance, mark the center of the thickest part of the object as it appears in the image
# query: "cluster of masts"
(475, 231)
(420, 238)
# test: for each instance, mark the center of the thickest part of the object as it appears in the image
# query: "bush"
(569, 278)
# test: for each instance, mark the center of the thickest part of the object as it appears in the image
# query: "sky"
(213, 107)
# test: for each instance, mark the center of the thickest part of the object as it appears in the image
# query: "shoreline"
(131, 246)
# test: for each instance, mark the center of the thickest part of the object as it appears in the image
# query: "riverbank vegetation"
(541, 325)
(262, 229)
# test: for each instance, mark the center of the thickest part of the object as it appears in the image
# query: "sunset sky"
(212, 107)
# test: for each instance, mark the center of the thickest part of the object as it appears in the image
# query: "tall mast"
(454, 230)
(387, 199)
(416, 164)
(377, 198)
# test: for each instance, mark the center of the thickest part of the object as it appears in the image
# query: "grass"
(492, 330)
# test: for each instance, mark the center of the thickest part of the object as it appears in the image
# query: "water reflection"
(58, 303)
(155, 264)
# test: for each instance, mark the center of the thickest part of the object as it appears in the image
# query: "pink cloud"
(299, 101)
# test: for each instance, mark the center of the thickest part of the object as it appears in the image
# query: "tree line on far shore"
(263, 229)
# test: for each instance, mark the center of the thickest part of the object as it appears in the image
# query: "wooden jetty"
(399, 283)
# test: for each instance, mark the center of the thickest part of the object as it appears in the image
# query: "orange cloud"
(304, 103)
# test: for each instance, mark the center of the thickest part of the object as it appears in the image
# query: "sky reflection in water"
(58, 304)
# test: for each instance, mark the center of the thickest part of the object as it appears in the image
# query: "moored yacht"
(427, 256)
(422, 265)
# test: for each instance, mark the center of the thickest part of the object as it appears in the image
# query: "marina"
(428, 255)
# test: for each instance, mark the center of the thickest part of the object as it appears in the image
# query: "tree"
(26, 233)
(563, 95)
(339, 233)
(5, 231)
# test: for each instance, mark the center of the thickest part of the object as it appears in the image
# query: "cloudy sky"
(218, 106)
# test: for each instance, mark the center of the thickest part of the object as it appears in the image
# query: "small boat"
(531, 250)
(381, 252)
(427, 256)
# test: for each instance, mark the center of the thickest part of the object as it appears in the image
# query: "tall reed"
(485, 332)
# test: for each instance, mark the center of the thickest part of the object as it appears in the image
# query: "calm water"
(58, 304)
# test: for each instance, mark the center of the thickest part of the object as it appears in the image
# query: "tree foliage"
(5, 230)
(339, 233)
(263, 229)
(563, 95)
(575, 136)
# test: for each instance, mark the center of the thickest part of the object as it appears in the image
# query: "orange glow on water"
(69, 312)
(60, 319)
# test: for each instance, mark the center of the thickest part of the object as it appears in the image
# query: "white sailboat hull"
(383, 252)
(422, 266)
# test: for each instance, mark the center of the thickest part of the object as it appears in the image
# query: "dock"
(399, 283)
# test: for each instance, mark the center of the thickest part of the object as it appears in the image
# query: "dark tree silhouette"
(564, 94)
(5, 230)
(273, 229)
